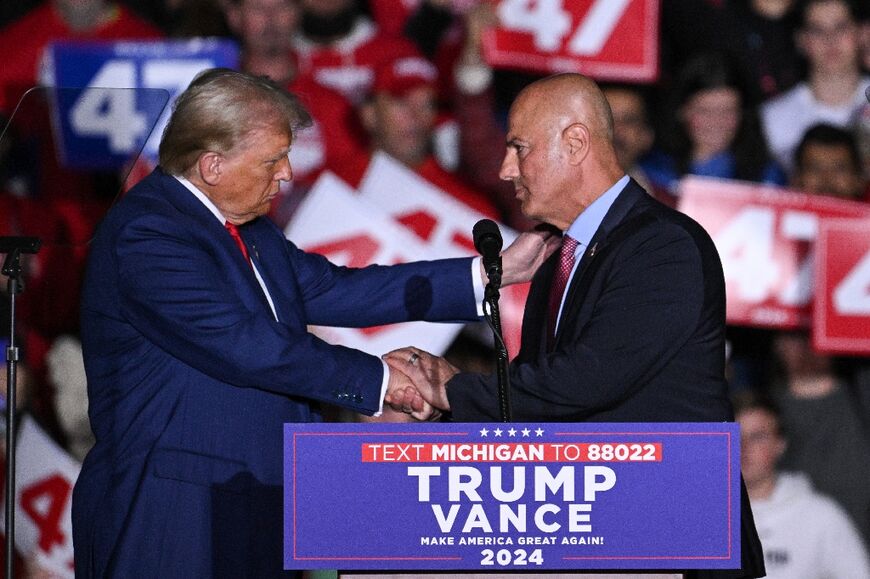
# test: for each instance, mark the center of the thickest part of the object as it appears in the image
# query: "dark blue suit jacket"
(190, 379)
(642, 333)
(641, 338)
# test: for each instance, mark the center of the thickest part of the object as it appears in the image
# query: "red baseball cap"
(401, 75)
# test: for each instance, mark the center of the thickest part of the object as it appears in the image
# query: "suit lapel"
(271, 263)
(189, 205)
(599, 244)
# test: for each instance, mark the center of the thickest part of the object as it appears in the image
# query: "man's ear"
(576, 138)
(210, 167)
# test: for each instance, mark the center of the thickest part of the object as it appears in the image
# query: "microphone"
(488, 242)
(487, 239)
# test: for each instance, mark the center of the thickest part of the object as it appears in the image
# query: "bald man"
(627, 322)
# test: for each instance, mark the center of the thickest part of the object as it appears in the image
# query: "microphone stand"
(493, 317)
(14, 286)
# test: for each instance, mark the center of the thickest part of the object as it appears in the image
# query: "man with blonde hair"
(194, 317)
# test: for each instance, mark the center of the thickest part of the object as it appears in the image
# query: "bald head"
(560, 153)
(570, 98)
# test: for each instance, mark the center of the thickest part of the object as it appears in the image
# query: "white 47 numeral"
(852, 295)
(109, 112)
(548, 22)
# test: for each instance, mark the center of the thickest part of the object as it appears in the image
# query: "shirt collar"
(202, 197)
(589, 220)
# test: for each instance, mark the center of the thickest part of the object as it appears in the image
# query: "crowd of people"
(764, 91)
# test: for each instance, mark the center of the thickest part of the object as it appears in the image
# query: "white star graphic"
(484, 432)
(539, 432)
(512, 432)
(497, 431)
(525, 431)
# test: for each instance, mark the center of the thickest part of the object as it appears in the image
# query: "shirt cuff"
(477, 284)
(384, 383)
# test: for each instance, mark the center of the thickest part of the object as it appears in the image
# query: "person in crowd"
(627, 323)
(633, 135)
(760, 35)
(833, 91)
(827, 162)
(713, 131)
(804, 534)
(451, 36)
(341, 47)
(828, 436)
(194, 333)
(399, 118)
(265, 29)
(23, 41)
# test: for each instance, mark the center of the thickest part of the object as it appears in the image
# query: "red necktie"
(234, 232)
(560, 280)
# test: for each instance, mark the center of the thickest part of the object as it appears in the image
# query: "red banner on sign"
(841, 320)
(604, 39)
(765, 236)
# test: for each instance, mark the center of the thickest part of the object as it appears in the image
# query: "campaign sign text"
(521, 497)
(104, 129)
(604, 39)
(841, 316)
(766, 238)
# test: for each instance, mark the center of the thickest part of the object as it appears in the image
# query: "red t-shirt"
(22, 44)
(348, 65)
(335, 134)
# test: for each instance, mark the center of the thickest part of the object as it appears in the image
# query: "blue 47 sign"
(112, 95)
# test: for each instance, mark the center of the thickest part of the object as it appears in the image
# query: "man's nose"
(509, 170)
(285, 172)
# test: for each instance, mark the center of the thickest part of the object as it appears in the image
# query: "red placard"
(765, 236)
(604, 39)
(841, 320)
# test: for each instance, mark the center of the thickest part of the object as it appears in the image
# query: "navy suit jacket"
(641, 337)
(190, 379)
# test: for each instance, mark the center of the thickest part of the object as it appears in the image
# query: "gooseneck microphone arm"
(488, 241)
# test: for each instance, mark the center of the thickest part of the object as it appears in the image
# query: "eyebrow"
(514, 142)
(279, 155)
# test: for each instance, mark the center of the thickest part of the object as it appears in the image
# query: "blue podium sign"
(511, 496)
(103, 129)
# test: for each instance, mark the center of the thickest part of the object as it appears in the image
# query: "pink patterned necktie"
(560, 280)
(234, 232)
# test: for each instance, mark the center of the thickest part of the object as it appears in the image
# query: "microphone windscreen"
(487, 237)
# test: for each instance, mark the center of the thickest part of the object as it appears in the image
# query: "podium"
(512, 497)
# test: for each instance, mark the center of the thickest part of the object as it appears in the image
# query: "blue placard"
(105, 129)
(519, 497)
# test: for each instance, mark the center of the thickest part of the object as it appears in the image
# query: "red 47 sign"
(841, 317)
(604, 39)
(766, 238)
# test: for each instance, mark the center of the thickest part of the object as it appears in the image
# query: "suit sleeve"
(175, 294)
(435, 291)
(649, 306)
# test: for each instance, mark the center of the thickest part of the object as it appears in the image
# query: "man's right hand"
(402, 396)
(429, 374)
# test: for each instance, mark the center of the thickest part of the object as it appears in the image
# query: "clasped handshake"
(418, 380)
(418, 383)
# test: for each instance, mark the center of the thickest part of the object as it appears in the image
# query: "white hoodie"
(806, 535)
